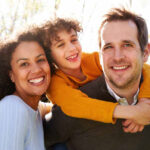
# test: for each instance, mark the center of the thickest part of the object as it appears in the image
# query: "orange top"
(64, 92)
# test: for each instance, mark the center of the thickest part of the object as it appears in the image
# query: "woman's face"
(30, 70)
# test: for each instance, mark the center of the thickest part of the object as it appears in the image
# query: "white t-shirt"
(20, 126)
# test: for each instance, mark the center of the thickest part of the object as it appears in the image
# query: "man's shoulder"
(97, 84)
(97, 89)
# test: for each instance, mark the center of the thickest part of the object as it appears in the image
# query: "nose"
(35, 68)
(71, 47)
(118, 54)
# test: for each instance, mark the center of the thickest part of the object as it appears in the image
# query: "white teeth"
(119, 68)
(71, 57)
(36, 80)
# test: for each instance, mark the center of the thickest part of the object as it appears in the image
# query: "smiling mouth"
(72, 57)
(120, 67)
(37, 80)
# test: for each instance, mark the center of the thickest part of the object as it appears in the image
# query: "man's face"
(121, 55)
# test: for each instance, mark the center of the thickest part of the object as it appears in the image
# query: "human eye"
(60, 44)
(127, 45)
(41, 60)
(107, 47)
(74, 40)
(24, 64)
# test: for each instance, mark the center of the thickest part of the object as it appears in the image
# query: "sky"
(88, 12)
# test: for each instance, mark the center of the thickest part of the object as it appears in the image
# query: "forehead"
(28, 49)
(63, 33)
(118, 31)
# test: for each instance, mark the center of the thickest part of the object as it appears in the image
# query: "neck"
(32, 101)
(126, 92)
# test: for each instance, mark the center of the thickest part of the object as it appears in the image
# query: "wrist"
(124, 112)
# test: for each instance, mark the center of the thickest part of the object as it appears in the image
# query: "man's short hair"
(121, 14)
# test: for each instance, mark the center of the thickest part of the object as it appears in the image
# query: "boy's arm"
(77, 104)
(145, 86)
(139, 113)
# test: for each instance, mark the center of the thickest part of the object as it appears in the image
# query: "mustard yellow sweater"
(64, 92)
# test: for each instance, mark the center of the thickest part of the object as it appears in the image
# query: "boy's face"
(66, 51)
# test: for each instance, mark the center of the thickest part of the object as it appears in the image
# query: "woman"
(25, 66)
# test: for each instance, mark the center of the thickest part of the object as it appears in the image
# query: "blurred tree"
(56, 7)
(17, 13)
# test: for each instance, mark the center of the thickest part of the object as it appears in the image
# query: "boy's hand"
(132, 127)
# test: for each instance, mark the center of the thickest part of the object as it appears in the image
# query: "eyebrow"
(23, 59)
(57, 41)
(74, 35)
(60, 40)
(124, 41)
(107, 44)
(128, 41)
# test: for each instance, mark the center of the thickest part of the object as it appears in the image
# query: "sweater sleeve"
(13, 125)
(145, 86)
(77, 104)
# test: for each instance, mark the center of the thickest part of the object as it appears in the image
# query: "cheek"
(135, 58)
(56, 55)
(58, 58)
(79, 47)
(19, 77)
(48, 74)
(48, 79)
(105, 59)
(47, 70)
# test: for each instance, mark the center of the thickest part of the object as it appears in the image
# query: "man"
(123, 41)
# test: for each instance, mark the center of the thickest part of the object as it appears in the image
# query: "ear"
(11, 76)
(146, 53)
